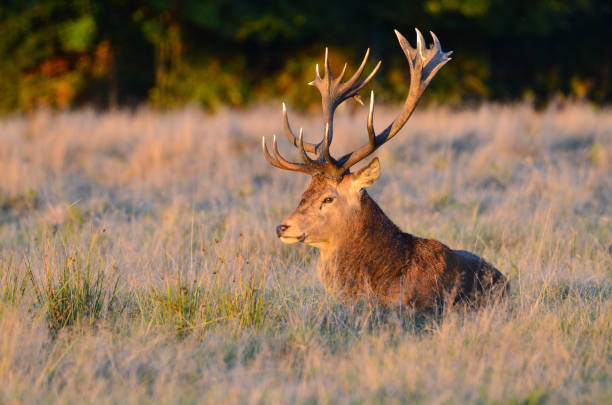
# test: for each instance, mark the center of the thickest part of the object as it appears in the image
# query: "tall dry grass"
(138, 261)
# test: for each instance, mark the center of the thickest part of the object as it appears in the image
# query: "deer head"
(335, 197)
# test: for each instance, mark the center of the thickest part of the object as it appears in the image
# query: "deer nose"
(280, 229)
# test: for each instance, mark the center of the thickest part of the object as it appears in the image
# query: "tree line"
(65, 54)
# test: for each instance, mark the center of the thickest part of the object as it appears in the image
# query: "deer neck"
(369, 245)
(367, 231)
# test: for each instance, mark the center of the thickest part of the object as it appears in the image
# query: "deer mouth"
(289, 240)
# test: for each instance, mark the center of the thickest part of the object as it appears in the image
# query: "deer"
(363, 255)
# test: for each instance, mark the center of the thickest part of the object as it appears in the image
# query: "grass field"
(139, 264)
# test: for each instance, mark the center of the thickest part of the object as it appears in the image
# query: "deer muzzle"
(282, 231)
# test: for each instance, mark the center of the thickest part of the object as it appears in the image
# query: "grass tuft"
(76, 287)
(202, 303)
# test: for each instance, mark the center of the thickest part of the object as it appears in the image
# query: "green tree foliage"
(213, 52)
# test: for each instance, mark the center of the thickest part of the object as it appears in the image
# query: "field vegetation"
(139, 264)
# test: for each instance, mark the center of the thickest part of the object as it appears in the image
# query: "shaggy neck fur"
(369, 254)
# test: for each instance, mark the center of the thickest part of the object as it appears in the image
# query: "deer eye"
(328, 200)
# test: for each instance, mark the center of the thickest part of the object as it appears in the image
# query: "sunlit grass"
(198, 304)
(75, 286)
(13, 281)
(138, 261)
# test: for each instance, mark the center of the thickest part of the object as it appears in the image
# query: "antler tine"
(290, 165)
(279, 161)
(365, 81)
(310, 147)
(325, 164)
(338, 80)
(350, 82)
(316, 165)
(329, 76)
(424, 63)
(269, 158)
(371, 132)
(350, 159)
(326, 144)
(434, 58)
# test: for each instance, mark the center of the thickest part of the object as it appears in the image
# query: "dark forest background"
(167, 53)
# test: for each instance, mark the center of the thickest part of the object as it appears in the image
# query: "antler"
(424, 64)
(333, 93)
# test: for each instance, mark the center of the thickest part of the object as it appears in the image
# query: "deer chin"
(289, 240)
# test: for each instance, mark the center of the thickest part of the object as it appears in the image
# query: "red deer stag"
(362, 253)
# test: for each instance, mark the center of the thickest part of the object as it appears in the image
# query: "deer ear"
(366, 176)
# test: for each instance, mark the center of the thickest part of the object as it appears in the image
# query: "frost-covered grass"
(138, 261)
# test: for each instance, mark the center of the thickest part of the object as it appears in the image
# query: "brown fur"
(365, 255)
